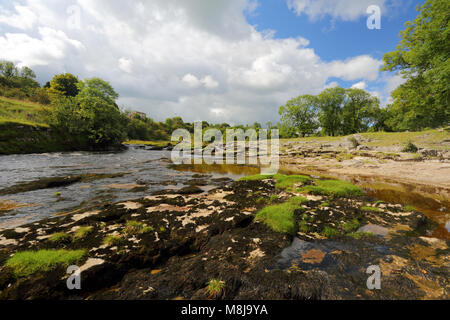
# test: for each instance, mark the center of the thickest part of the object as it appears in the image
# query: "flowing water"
(135, 168)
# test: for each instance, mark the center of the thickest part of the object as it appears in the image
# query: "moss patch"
(135, 227)
(281, 217)
(371, 209)
(335, 188)
(60, 237)
(82, 232)
(29, 262)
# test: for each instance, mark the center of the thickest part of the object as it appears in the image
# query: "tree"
(359, 111)
(88, 122)
(330, 103)
(27, 73)
(8, 69)
(97, 87)
(64, 85)
(301, 114)
(422, 58)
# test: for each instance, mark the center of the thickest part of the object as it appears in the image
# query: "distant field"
(22, 112)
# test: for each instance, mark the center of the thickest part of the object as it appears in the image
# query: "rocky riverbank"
(282, 237)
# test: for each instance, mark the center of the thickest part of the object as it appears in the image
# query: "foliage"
(422, 58)
(63, 85)
(215, 287)
(410, 147)
(88, 122)
(301, 114)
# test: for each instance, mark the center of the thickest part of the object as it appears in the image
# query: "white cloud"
(176, 57)
(347, 10)
(24, 18)
(360, 85)
(361, 67)
(126, 65)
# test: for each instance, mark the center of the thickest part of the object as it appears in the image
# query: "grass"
(113, 241)
(361, 235)
(410, 208)
(280, 218)
(135, 227)
(330, 232)
(12, 110)
(256, 177)
(29, 262)
(82, 232)
(335, 188)
(160, 144)
(60, 237)
(288, 182)
(214, 287)
(350, 226)
(285, 182)
(372, 209)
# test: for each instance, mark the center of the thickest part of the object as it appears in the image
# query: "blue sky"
(332, 38)
(233, 61)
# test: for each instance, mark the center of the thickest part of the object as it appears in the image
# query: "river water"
(134, 168)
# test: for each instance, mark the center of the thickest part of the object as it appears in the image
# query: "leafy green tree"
(301, 114)
(422, 58)
(330, 103)
(27, 73)
(64, 85)
(359, 111)
(8, 69)
(97, 87)
(88, 122)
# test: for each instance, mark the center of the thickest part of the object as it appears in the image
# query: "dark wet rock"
(197, 182)
(190, 190)
(56, 182)
(178, 241)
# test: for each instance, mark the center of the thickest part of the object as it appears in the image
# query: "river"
(135, 173)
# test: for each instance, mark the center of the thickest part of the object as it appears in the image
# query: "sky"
(234, 61)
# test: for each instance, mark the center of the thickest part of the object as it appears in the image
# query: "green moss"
(82, 232)
(135, 227)
(257, 177)
(281, 217)
(215, 287)
(57, 194)
(113, 241)
(372, 209)
(350, 226)
(29, 262)
(410, 208)
(287, 182)
(335, 188)
(361, 235)
(330, 232)
(324, 204)
(60, 237)
(303, 226)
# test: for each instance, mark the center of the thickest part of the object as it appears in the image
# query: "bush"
(410, 147)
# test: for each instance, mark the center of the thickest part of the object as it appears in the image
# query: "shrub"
(410, 147)
(215, 287)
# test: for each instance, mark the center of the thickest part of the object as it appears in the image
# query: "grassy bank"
(24, 128)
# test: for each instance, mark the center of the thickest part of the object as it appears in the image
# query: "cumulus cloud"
(360, 85)
(195, 59)
(347, 10)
